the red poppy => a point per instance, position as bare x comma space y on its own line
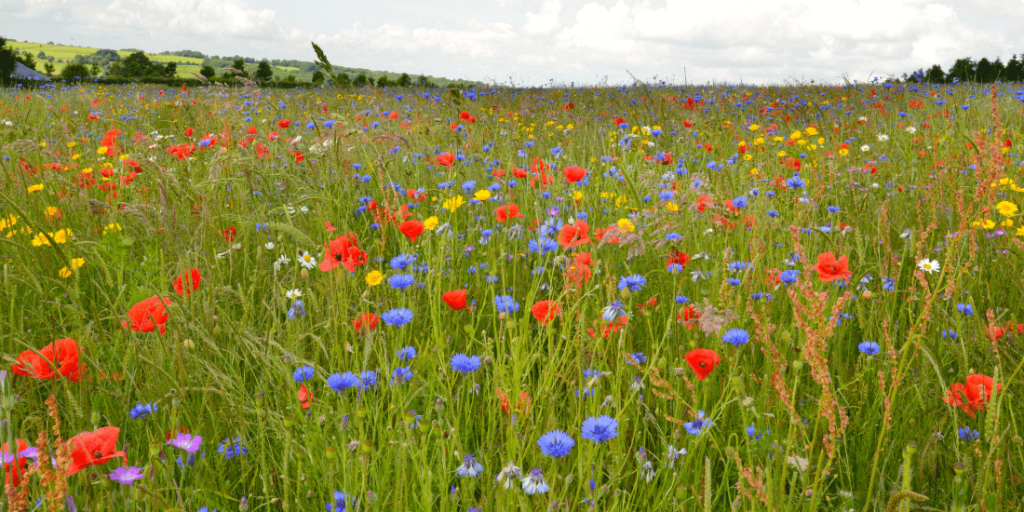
703, 202
188, 132
609, 328
677, 258
545, 311
465, 116
343, 251
519, 173
498, 173
506, 212
91, 448
574, 235
445, 159
574, 173
830, 269
148, 315
229, 235
187, 282
284, 123
329, 227
367, 320
456, 299
702, 360
305, 397
411, 229
665, 159
14, 474
61, 354
600, 233
973, 396
579, 272
688, 316
522, 406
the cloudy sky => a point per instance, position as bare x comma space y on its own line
530, 42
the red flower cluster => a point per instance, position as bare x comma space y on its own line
522, 405
574, 235
61, 355
545, 311
91, 448
148, 315
343, 251
974, 395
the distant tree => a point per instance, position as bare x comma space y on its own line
290, 80
963, 70
41, 55
27, 60
1014, 69
344, 80
404, 81
7, 62
74, 71
207, 71
49, 68
317, 78
984, 72
935, 75
171, 69
360, 80
95, 69
263, 71
239, 64
998, 70
136, 64
383, 82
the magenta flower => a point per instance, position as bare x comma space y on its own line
127, 475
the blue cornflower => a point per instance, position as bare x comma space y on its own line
469, 467
142, 410
401, 281
232, 448
673, 236
401, 374
402, 260
506, 304
302, 373
600, 429
789, 276
950, 334
795, 182
342, 381
694, 427
465, 364
542, 245
968, 434
639, 357
397, 317
832, 209
965, 309
888, 284
296, 310
736, 266
675, 267
556, 444
733, 281
868, 347
740, 201
406, 353
367, 379
613, 311
682, 299
736, 336
339, 503
634, 282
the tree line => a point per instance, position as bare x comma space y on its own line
967, 69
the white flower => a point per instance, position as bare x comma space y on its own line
865, 148
304, 209
282, 260
269, 245
927, 265
508, 475
883, 137
221, 255
534, 482
911, 129
862, 119
307, 260
294, 293
674, 455
289, 209
237, 246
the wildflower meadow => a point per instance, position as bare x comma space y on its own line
652, 297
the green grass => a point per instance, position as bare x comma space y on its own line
833, 428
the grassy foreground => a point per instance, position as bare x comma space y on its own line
644, 298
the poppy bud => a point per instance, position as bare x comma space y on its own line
288, 422
95, 417
367, 447
911, 447
798, 365
304, 274
730, 451
332, 453
361, 412
786, 336
958, 468
154, 449
188, 344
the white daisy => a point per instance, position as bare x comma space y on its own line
293, 294
269, 245
307, 260
911, 129
930, 266
882, 137
865, 148
282, 260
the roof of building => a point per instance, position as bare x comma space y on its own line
24, 72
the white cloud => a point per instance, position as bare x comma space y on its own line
546, 21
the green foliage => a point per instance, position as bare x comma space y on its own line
208, 71
74, 72
7, 61
263, 71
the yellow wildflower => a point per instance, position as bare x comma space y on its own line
35, 188
109, 228
1007, 209
374, 278
453, 203
811, 131
753, 127
626, 226
430, 223
482, 195
102, 150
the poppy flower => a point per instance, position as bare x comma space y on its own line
690, 314
677, 258
506, 212
703, 202
973, 396
329, 227
305, 397
229, 235
830, 269
541, 179
456, 299
522, 406
545, 311
343, 251
574, 173
568, 106
579, 272
14, 474
284, 123
498, 173
574, 235
702, 361
62, 354
148, 315
411, 229
519, 173
91, 448
445, 159
187, 282
603, 235
609, 328
367, 320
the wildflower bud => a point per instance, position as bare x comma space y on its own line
439, 406
371, 497
502, 316
676, 434
680, 494
958, 468
866, 295
275, 501
95, 417
367, 447
786, 336
343, 426
569, 479
188, 344
304, 274
332, 453
243, 505
911, 447
737, 382
624, 293
730, 451
288, 422
302, 477
309, 495
154, 449
798, 365
457, 454
361, 412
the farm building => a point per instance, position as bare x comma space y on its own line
24, 72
